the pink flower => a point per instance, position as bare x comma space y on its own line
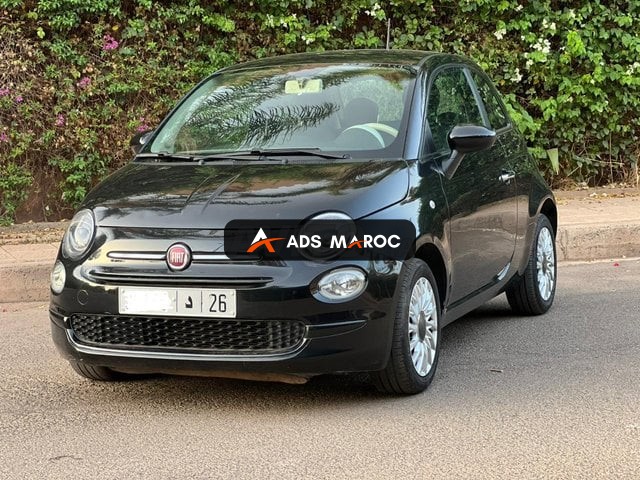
4, 137
60, 121
4, 92
109, 43
143, 127
19, 99
84, 82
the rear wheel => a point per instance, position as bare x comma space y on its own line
102, 374
415, 344
534, 291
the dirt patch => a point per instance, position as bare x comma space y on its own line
41, 205
600, 193
40, 232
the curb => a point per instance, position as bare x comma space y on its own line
598, 242
29, 282
25, 283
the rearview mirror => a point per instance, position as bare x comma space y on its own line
465, 139
139, 139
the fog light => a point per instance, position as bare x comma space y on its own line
339, 285
58, 277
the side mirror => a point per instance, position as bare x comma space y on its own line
139, 139
465, 139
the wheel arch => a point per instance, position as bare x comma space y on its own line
549, 209
431, 255
545, 205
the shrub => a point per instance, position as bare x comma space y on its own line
78, 78
14, 181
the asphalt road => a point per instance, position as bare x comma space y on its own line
556, 396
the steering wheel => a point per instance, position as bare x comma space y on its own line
381, 127
374, 130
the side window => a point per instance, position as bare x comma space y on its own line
497, 116
450, 103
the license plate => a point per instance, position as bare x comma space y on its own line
182, 302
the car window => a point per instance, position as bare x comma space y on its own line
451, 102
387, 95
343, 108
497, 116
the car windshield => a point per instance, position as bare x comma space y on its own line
357, 110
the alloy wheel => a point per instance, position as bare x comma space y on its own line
545, 263
423, 326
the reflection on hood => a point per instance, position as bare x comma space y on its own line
207, 196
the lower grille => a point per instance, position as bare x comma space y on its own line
222, 336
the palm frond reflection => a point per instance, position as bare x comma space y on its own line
301, 108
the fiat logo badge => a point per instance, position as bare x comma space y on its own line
178, 256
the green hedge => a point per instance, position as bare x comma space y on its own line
78, 77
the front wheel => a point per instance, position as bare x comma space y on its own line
534, 291
415, 346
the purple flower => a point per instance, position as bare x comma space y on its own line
19, 99
4, 92
60, 121
84, 82
143, 127
109, 43
4, 137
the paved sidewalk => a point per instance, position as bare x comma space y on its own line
598, 210
27, 253
594, 225
24, 271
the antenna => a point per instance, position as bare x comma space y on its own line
388, 31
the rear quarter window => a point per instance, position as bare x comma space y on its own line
495, 111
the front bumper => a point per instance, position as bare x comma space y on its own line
363, 347
350, 337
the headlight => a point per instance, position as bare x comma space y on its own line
79, 235
58, 277
325, 225
340, 285
331, 216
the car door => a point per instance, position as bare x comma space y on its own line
481, 195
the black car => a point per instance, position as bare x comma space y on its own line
146, 281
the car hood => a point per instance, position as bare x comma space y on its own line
210, 195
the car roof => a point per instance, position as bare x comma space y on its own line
411, 58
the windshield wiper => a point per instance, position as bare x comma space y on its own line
270, 154
248, 155
304, 152
168, 157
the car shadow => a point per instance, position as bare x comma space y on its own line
224, 393
479, 328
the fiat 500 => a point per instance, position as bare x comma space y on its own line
145, 281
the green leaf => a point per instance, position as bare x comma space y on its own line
552, 153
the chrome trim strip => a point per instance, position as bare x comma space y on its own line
197, 257
136, 256
209, 256
502, 273
114, 352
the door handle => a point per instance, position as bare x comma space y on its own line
507, 176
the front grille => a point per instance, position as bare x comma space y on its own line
120, 276
213, 336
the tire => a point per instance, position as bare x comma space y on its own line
101, 374
402, 375
533, 292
